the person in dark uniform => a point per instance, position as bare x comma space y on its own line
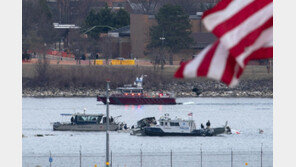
228, 130
202, 126
121, 126
112, 119
72, 120
208, 124
125, 126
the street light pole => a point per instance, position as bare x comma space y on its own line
162, 43
107, 124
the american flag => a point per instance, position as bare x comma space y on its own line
244, 29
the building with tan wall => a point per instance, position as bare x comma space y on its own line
139, 27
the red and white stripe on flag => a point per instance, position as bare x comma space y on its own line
245, 32
215, 62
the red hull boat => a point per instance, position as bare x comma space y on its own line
134, 95
137, 100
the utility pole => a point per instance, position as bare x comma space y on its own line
107, 124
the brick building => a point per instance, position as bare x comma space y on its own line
122, 36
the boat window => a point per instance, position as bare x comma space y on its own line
89, 118
161, 123
80, 118
174, 123
125, 91
99, 119
166, 124
136, 91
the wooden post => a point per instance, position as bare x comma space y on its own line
261, 153
80, 157
111, 159
50, 157
141, 157
171, 158
200, 157
231, 158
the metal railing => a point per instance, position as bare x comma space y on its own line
199, 158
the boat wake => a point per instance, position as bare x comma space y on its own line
188, 103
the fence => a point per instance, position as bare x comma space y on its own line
198, 158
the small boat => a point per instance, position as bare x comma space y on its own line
87, 122
177, 127
134, 95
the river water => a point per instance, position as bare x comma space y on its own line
246, 115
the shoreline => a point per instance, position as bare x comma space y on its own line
93, 93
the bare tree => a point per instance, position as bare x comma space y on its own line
192, 6
157, 57
144, 6
81, 44
42, 67
109, 46
82, 10
73, 12
37, 27
189, 6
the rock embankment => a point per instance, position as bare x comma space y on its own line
208, 88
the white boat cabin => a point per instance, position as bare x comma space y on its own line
130, 90
177, 125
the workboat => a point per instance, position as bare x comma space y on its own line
87, 122
134, 95
176, 127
